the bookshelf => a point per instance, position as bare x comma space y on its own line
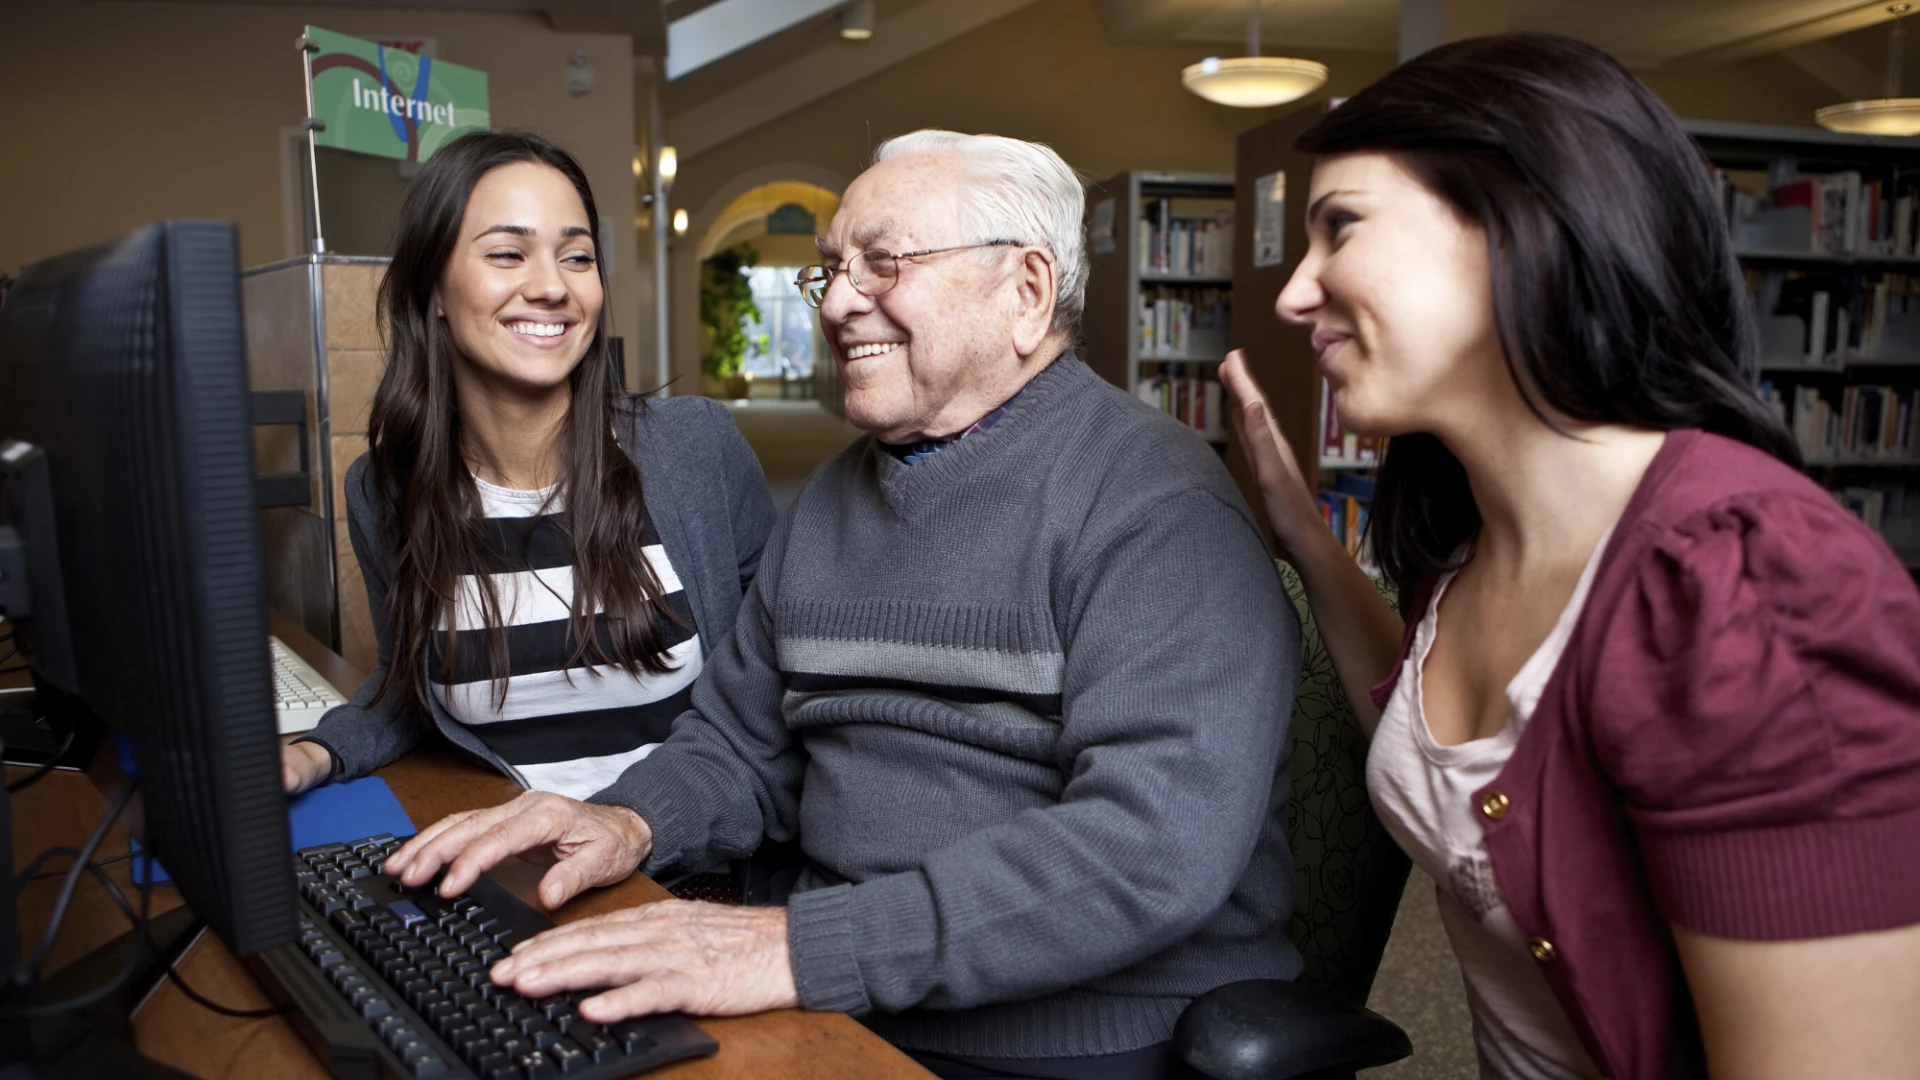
1827, 228
1160, 298
1280, 357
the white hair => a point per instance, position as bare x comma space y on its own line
1021, 191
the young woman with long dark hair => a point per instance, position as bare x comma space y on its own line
1653, 721
545, 556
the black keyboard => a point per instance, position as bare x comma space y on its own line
391, 981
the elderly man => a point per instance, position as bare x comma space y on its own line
1015, 672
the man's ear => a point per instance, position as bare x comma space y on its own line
1036, 289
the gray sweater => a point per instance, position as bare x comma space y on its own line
707, 497
1024, 705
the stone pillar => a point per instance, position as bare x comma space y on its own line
1427, 23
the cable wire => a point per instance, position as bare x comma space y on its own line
85, 856
111, 986
40, 772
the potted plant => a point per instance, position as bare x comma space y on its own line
726, 307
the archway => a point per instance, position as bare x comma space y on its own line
773, 226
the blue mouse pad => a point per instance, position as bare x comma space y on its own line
331, 813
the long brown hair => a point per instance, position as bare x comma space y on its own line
428, 506
1615, 288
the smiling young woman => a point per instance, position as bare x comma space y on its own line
1652, 723
546, 557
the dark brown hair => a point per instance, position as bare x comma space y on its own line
427, 504
1615, 289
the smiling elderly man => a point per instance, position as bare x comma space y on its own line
1016, 672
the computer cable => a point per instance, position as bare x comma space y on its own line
31, 972
173, 971
40, 772
111, 986
31, 873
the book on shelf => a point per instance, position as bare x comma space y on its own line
1198, 403
1184, 321
1866, 424
1337, 444
1347, 509
1851, 212
1829, 319
1890, 509
1186, 237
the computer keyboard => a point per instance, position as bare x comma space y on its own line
301, 695
391, 981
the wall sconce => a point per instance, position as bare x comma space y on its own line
680, 222
668, 168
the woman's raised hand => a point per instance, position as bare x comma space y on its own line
1291, 509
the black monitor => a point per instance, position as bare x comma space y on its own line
130, 556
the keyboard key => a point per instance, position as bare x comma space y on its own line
427, 1068
599, 1046
376, 1008
567, 1054
507, 1071
513, 1045
551, 1007
633, 1036
331, 958
538, 1066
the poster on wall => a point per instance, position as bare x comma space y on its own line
1270, 220
397, 104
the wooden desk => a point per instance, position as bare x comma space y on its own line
430, 784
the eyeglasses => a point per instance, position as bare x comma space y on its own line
872, 273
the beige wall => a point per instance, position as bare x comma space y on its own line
118, 114
1048, 72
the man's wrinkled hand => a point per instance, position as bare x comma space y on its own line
585, 844
671, 956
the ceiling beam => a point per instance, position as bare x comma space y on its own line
1788, 37
727, 116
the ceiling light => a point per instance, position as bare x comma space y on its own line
669, 165
856, 20
1889, 114
680, 222
1253, 81
639, 164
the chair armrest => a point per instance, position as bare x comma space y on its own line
1265, 1029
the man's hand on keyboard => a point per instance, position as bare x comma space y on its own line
671, 956
586, 845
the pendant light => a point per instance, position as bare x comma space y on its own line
1889, 114
1254, 81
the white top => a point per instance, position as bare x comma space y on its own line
1423, 792
568, 730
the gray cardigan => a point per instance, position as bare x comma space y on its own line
707, 497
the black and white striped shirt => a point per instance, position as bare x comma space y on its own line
571, 731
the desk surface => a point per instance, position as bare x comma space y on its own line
430, 784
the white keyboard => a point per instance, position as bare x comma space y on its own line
301, 696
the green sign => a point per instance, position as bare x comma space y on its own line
376, 100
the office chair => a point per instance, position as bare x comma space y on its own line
1348, 878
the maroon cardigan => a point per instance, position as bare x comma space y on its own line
1731, 743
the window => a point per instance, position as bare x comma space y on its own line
784, 340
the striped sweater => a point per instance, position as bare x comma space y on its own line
1023, 703
568, 730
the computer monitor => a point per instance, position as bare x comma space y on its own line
128, 517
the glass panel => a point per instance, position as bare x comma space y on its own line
784, 340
